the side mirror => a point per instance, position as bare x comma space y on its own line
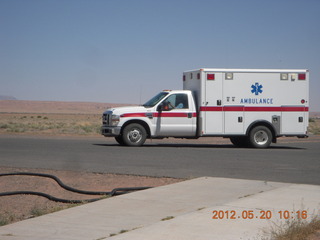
164, 106
160, 107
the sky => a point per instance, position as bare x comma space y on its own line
126, 51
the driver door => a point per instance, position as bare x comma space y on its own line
175, 117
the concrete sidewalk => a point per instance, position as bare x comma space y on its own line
179, 211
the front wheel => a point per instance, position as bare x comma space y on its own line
134, 135
260, 137
119, 140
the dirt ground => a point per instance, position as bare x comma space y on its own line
20, 207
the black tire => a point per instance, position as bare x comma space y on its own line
134, 135
119, 140
260, 137
240, 141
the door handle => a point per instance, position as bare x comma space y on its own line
189, 115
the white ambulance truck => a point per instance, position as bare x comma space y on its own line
252, 107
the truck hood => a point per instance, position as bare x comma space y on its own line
130, 109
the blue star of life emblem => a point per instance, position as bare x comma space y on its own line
256, 88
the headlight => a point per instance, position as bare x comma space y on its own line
115, 119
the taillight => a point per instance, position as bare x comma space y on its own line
210, 76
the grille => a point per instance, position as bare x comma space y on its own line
106, 118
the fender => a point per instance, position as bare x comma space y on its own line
142, 120
266, 124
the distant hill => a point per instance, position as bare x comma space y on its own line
314, 114
4, 97
22, 106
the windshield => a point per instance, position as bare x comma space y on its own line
153, 101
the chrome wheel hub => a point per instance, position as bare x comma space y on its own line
134, 135
261, 137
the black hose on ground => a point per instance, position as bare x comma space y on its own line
114, 192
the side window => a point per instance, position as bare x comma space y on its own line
177, 101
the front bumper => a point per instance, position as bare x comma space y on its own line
110, 131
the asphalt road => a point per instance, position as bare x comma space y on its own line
295, 161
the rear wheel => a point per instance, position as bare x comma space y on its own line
260, 137
134, 135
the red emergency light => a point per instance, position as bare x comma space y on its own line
302, 76
210, 76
